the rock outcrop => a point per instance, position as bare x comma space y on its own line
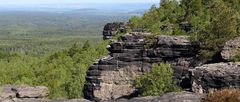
169, 97
113, 77
111, 29
12, 93
231, 49
71, 100
209, 77
24, 93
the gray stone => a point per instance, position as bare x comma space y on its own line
231, 49
173, 40
111, 29
29, 100
113, 76
169, 97
23, 93
209, 77
71, 100
7, 92
31, 92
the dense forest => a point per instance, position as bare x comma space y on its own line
212, 22
40, 33
63, 72
52, 49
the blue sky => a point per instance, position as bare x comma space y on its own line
26, 2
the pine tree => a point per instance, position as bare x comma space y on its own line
192, 8
86, 45
222, 27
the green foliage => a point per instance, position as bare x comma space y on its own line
62, 72
40, 33
168, 13
212, 22
117, 35
235, 56
150, 39
157, 82
222, 27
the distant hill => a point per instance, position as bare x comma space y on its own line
140, 12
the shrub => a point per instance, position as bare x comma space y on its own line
157, 82
225, 95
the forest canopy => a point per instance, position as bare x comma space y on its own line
212, 22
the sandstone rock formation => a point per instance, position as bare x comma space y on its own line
209, 77
24, 93
169, 97
12, 93
112, 77
111, 29
231, 49
71, 100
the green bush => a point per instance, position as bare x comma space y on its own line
157, 82
212, 22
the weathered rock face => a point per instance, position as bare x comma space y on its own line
111, 29
231, 49
72, 100
11, 93
113, 76
169, 97
209, 77
23, 93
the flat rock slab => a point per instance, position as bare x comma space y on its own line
7, 92
169, 97
29, 100
23, 93
31, 92
209, 77
171, 40
73, 100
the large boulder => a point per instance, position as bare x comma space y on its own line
28, 100
111, 29
113, 76
31, 92
23, 93
71, 100
231, 49
169, 97
209, 77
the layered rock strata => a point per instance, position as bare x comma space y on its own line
24, 93
231, 50
12, 93
113, 77
169, 97
112, 29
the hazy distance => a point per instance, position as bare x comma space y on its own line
68, 5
